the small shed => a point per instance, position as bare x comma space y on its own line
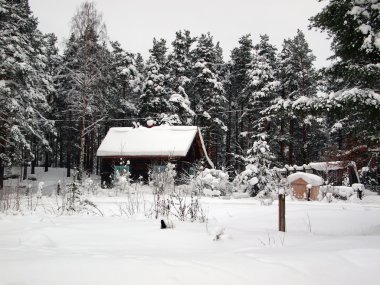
301, 183
333, 171
138, 149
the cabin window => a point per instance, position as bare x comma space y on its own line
157, 168
192, 170
122, 169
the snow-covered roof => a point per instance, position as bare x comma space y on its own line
319, 166
326, 166
156, 141
312, 179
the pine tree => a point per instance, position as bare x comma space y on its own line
24, 85
262, 85
291, 111
208, 98
67, 88
353, 80
140, 64
154, 102
223, 72
126, 82
241, 57
53, 62
258, 175
180, 77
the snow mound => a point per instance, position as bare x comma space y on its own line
312, 179
358, 186
239, 195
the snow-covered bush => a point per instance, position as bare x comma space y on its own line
211, 193
162, 176
185, 204
39, 189
122, 182
169, 200
162, 179
10, 197
368, 176
257, 176
265, 197
343, 192
90, 186
337, 192
136, 202
212, 182
358, 187
74, 200
328, 198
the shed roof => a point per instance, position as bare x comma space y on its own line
164, 140
318, 166
326, 166
312, 179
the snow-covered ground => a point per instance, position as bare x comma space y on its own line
337, 243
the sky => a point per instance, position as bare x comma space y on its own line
134, 23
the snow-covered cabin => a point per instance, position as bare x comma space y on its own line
305, 185
137, 149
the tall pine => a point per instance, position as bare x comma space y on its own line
154, 101
208, 98
179, 64
351, 98
24, 85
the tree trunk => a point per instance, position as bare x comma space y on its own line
209, 142
92, 148
229, 130
340, 139
97, 158
46, 161
56, 150
37, 156
241, 138
1, 178
216, 151
304, 142
25, 172
60, 148
282, 142
291, 143
86, 154
237, 150
2, 189
33, 164
281, 213
68, 149
81, 148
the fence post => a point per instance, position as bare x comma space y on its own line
281, 212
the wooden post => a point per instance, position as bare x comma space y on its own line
308, 189
47, 159
25, 173
281, 212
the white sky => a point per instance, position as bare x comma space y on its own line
134, 23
